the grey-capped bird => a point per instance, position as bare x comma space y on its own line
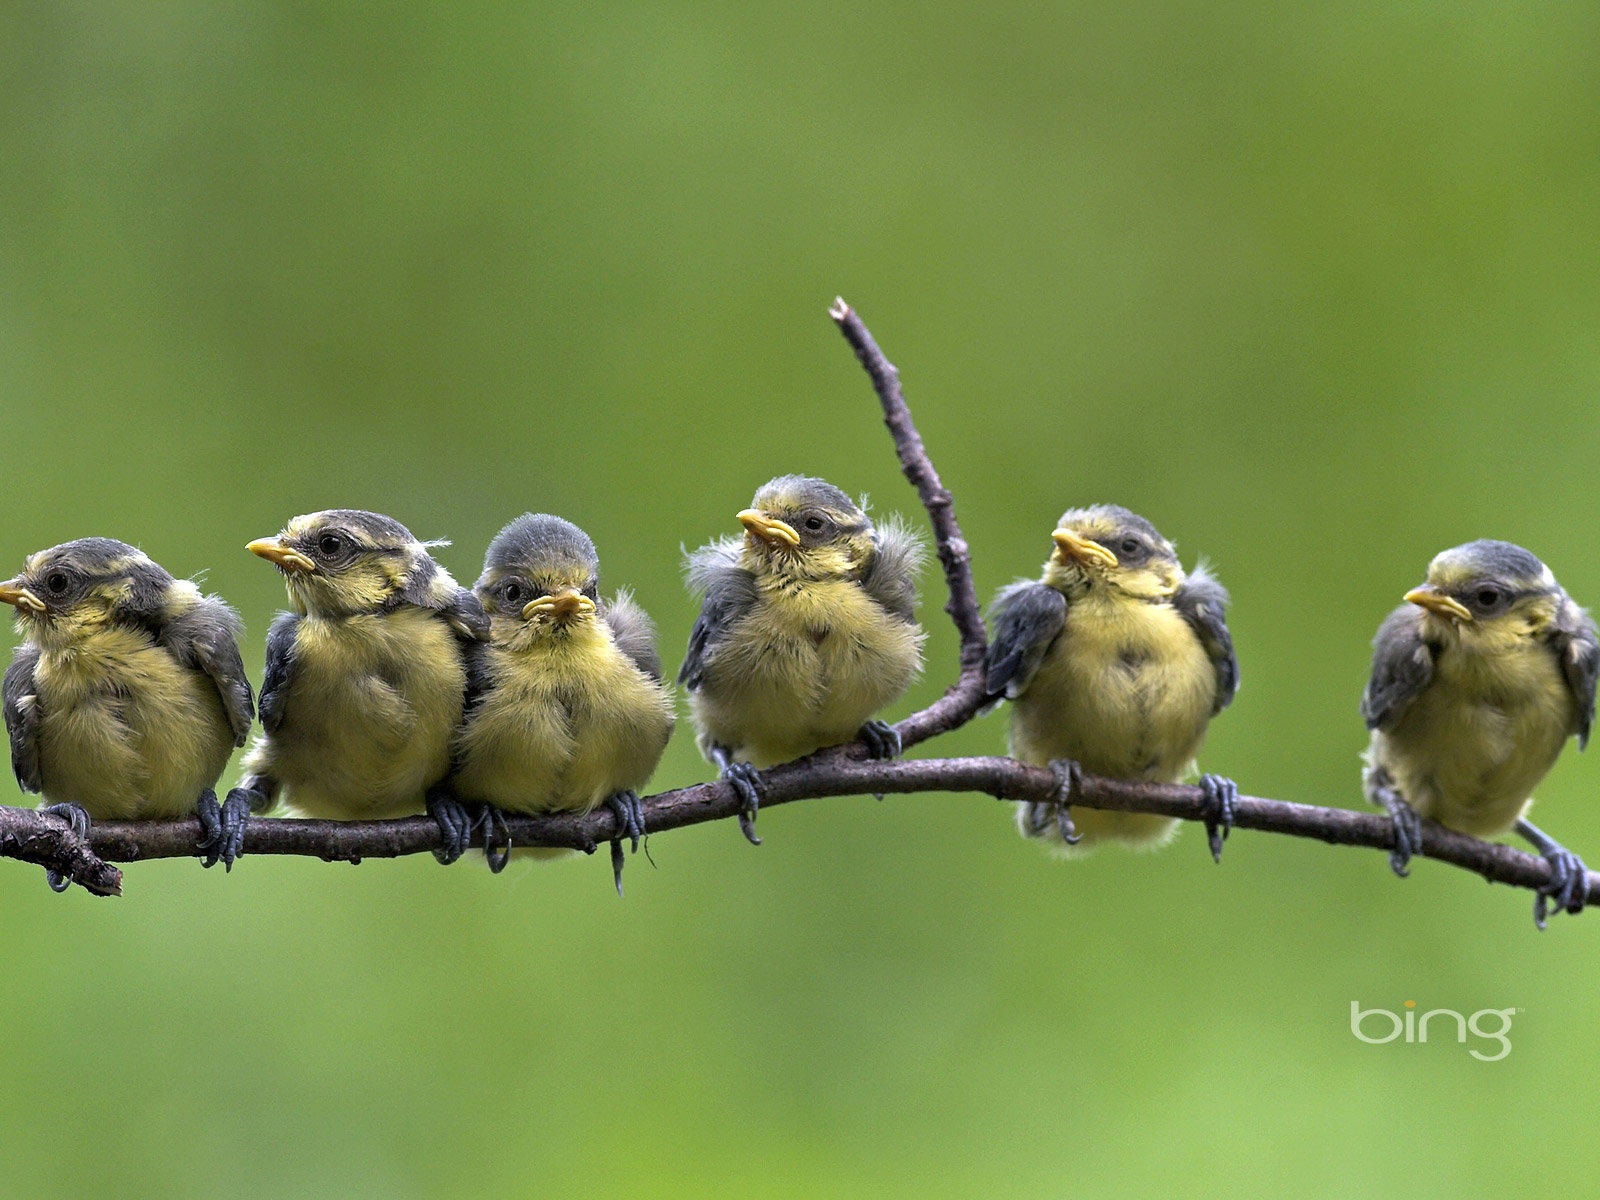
365, 679
806, 631
1114, 663
1477, 682
128, 693
566, 707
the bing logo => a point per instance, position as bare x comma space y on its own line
1379, 1027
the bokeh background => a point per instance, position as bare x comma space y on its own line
1313, 287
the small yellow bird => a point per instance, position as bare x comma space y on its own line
365, 679
567, 709
128, 693
806, 630
1477, 682
1114, 663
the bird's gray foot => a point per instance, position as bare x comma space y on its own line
222, 826
625, 808
882, 739
75, 816
1069, 781
236, 810
1407, 829
1221, 792
1569, 878
209, 812
746, 781
496, 839
454, 821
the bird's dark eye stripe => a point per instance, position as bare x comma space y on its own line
1478, 594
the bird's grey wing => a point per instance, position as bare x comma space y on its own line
1578, 644
1025, 618
891, 575
1402, 666
465, 613
1203, 602
22, 717
635, 634
206, 636
729, 592
430, 586
479, 682
280, 669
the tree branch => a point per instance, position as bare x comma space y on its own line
961, 702
838, 771
36, 837
46, 840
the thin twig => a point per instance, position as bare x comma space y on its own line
961, 702
36, 837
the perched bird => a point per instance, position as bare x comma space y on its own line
365, 679
1115, 663
127, 695
805, 632
1477, 682
566, 708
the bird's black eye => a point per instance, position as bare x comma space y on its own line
1128, 546
1488, 597
330, 544
814, 523
56, 582
513, 592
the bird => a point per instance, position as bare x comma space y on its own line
1114, 664
1477, 682
806, 630
566, 707
365, 679
127, 695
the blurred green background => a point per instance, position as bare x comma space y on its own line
1313, 287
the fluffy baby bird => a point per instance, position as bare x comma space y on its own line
567, 707
127, 695
1477, 682
365, 679
805, 632
1114, 663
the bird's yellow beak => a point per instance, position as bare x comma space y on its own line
275, 551
769, 529
12, 592
562, 606
1072, 548
1431, 598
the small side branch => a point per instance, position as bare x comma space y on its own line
36, 837
961, 702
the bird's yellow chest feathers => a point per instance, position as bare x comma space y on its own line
1470, 749
566, 723
1126, 689
126, 731
371, 706
804, 668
